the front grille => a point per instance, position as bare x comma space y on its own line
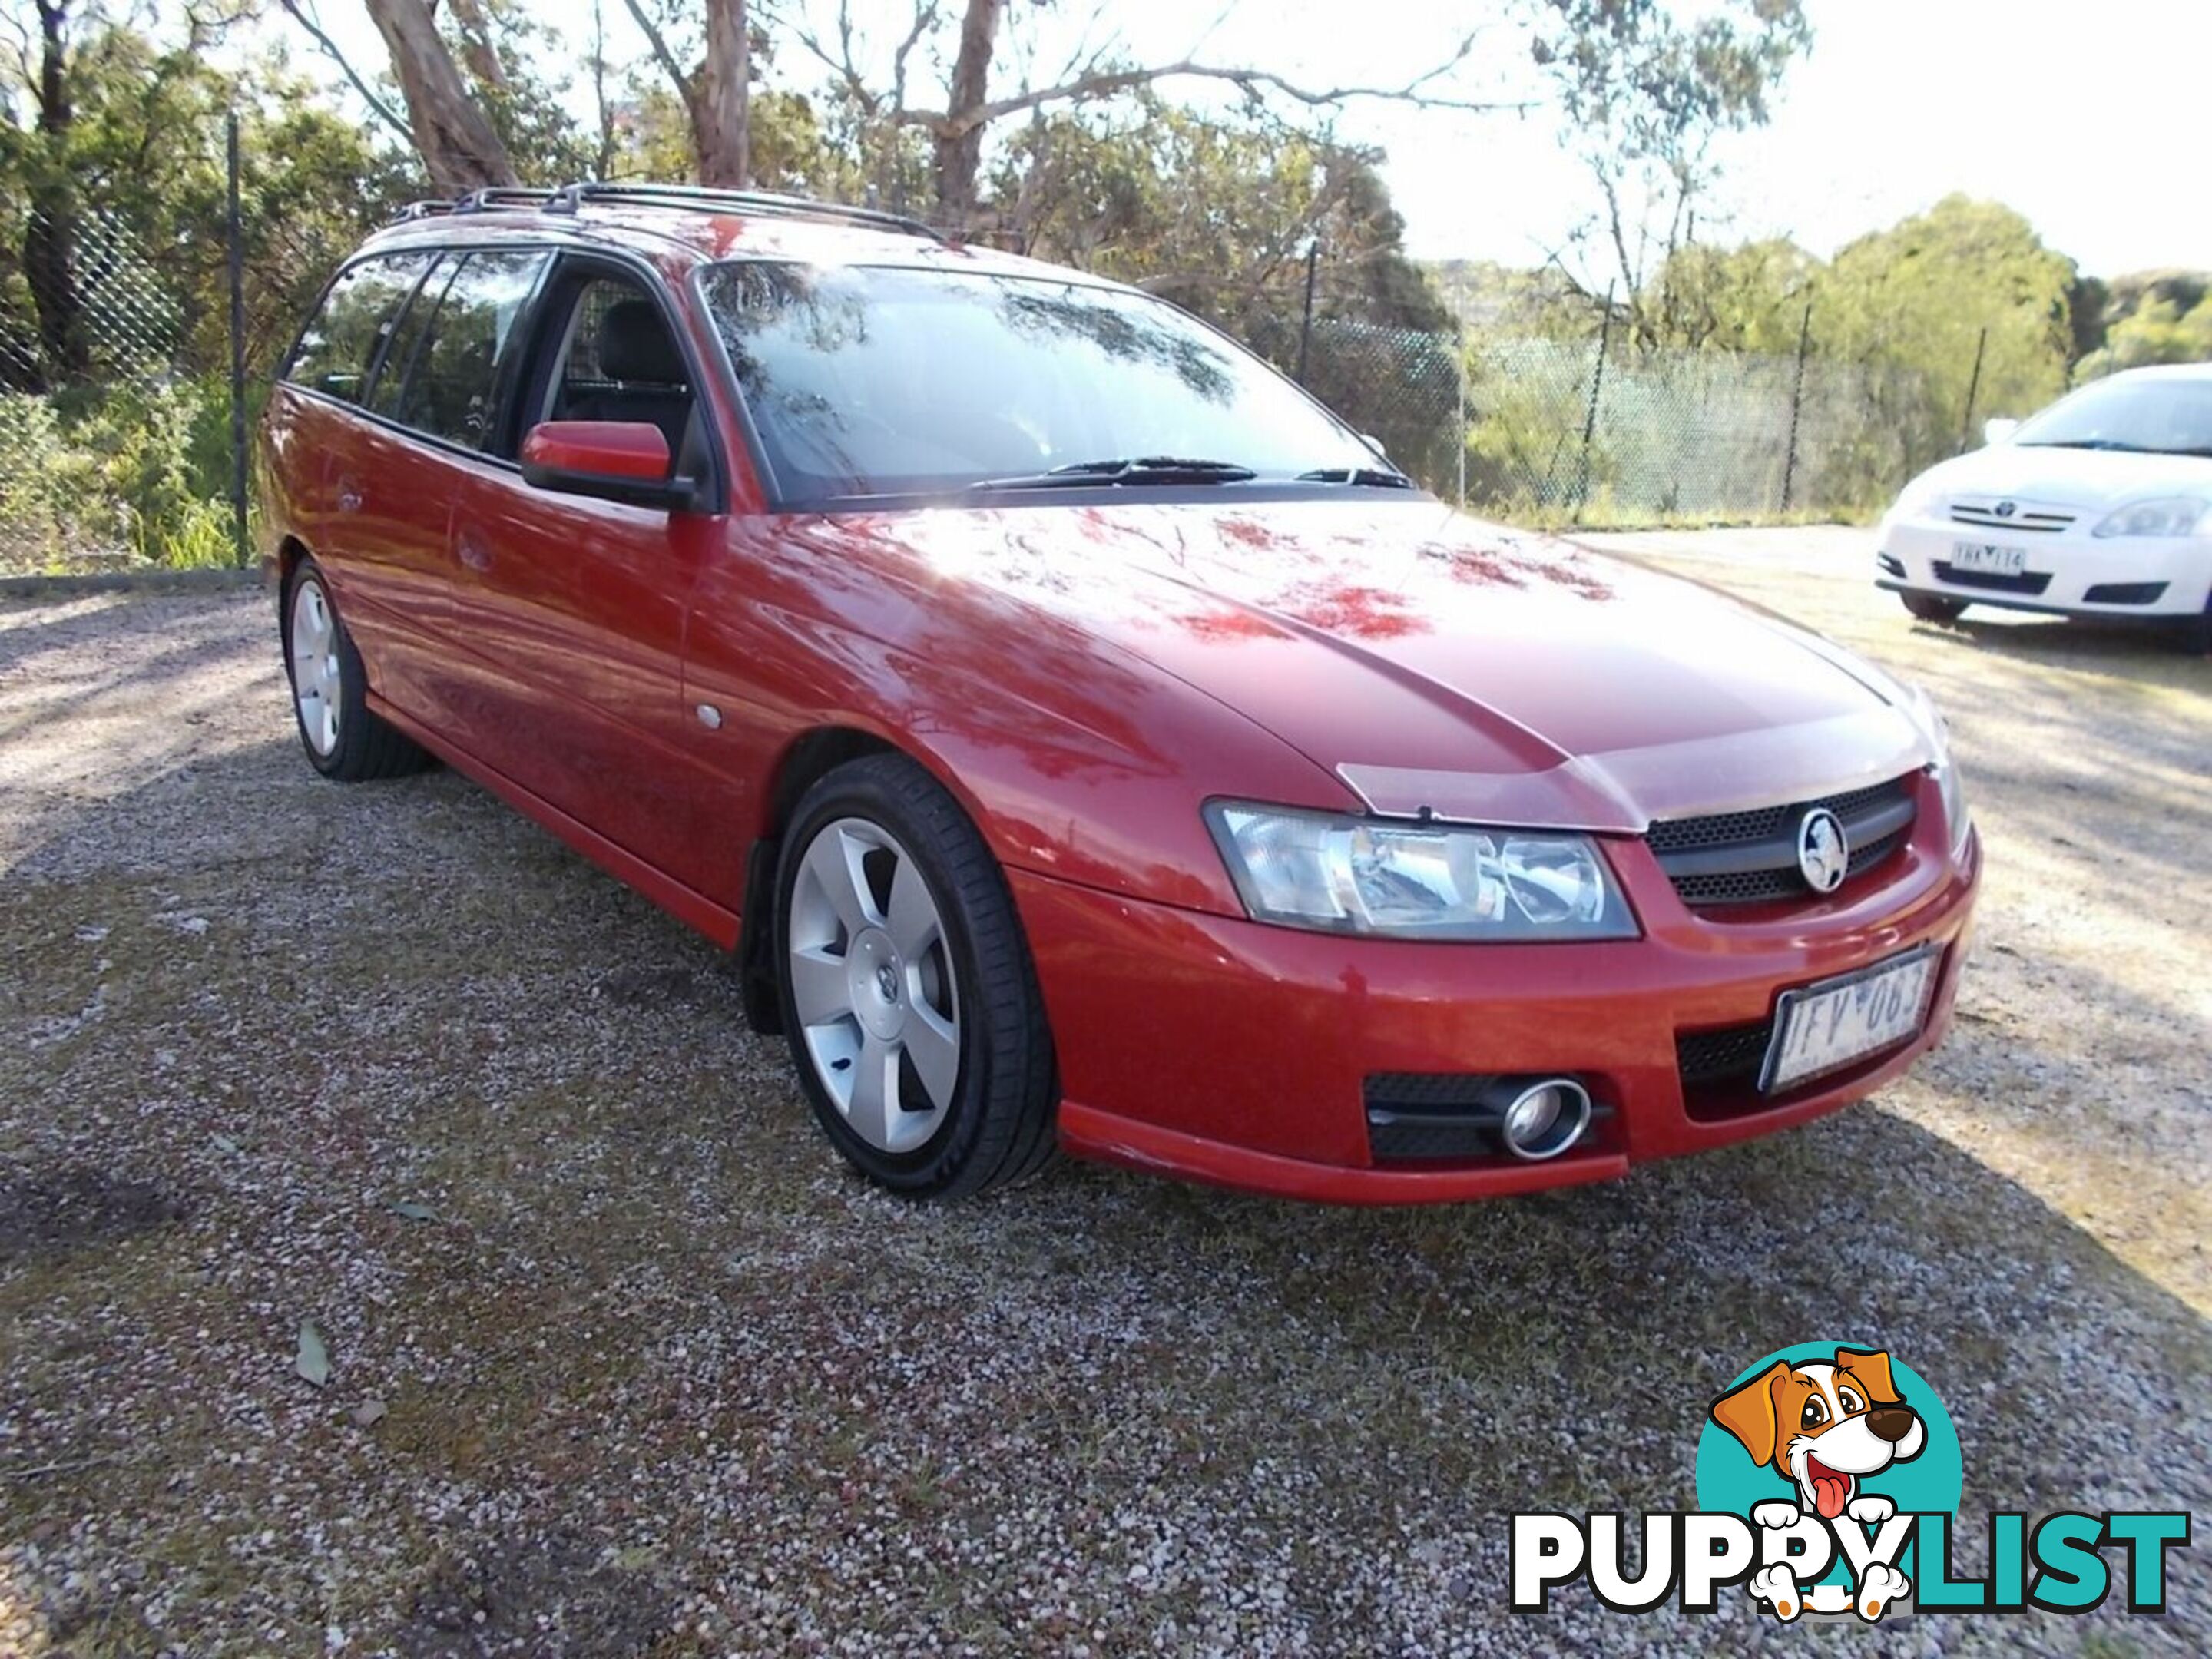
1431, 1116
2032, 581
2042, 520
1750, 857
2124, 593
1705, 1058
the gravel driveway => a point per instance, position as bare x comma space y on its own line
621, 1361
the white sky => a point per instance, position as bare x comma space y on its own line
2090, 118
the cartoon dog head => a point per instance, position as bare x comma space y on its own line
1824, 1426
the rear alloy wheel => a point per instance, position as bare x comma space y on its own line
330, 689
1931, 609
911, 1005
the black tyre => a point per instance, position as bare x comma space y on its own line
1929, 608
908, 996
330, 689
2195, 635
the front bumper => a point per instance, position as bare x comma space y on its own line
2069, 572
1236, 1053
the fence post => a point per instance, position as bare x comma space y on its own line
1305, 323
1974, 390
1459, 363
1597, 385
1797, 403
235, 235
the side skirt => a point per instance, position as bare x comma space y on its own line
686, 905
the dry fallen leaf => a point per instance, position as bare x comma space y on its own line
314, 1361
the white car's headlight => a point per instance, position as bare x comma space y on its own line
2169, 515
1353, 875
1923, 494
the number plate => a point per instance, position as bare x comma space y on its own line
1822, 1027
1987, 556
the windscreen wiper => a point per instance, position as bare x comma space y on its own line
1126, 469
1372, 477
2091, 443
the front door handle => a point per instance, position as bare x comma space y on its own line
349, 497
473, 553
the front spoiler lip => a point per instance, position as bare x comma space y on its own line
1156, 1149
2126, 616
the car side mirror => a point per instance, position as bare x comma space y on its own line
622, 461
1998, 428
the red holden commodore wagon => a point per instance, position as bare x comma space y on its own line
1083, 737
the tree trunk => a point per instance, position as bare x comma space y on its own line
719, 104
960, 140
476, 49
49, 229
452, 134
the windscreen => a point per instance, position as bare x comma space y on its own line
882, 380
2156, 414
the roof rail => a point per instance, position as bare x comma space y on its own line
572, 198
765, 202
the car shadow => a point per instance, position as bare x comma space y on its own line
2154, 653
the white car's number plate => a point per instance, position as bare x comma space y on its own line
1988, 558
1822, 1027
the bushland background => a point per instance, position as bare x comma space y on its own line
1650, 370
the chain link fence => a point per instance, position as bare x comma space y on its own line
116, 427
1590, 430
117, 443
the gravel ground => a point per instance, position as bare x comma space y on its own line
621, 1361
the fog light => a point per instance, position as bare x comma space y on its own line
1546, 1118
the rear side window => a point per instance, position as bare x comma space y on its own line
403, 338
343, 340
453, 387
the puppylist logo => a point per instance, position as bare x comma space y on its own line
1828, 1480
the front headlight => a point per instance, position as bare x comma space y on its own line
1956, 816
1923, 494
1945, 770
1430, 881
2170, 515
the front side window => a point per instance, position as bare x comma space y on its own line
453, 388
2157, 415
881, 380
619, 361
344, 339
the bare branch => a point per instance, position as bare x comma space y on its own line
378, 107
657, 42
1086, 88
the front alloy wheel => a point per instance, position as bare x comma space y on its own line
877, 1004
909, 997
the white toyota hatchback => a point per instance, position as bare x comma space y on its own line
2101, 505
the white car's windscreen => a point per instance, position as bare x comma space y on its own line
2155, 415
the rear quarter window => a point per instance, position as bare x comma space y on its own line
340, 347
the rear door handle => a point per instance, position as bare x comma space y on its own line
349, 497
